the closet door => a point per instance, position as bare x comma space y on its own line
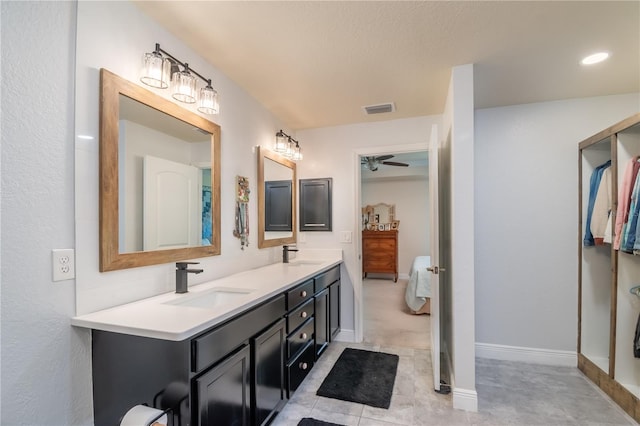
596, 264
627, 366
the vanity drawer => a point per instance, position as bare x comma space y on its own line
325, 279
299, 294
299, 338
299, 315
299, 367
214, 345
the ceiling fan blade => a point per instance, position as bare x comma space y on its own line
384, 157
394, 163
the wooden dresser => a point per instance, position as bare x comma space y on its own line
380, 253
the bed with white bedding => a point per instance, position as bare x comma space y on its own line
418, 291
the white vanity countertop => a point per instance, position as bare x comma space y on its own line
156, 317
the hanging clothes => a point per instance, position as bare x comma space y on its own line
594, 184
624, 199
629, 231
601, 208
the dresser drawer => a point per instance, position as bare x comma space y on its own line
299, 294
386, 264
299, 367
300, 337
380, 244
299, 315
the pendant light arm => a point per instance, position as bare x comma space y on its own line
183, 64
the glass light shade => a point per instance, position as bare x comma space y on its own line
183, 87
155, 71
208, 101
281, 143
297, 153
289, 149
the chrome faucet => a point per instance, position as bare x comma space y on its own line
285, 253
181, 275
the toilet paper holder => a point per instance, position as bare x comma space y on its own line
170, 399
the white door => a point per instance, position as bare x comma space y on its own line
171, 203
435, 255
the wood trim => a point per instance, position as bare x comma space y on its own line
618, 393
111, 87
580, 244
614, 258
611, 130
268, 154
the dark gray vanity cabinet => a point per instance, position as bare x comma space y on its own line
300, 337
240, 372
267, 372
322, 321
327, 300
222, 393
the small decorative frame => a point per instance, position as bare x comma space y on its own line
395, 224
387, 227
381, 227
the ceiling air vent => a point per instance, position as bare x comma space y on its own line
379, 109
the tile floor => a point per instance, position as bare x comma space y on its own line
509, 393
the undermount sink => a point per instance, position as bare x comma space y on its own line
211, 298
296, 262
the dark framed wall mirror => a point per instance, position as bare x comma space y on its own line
315, 204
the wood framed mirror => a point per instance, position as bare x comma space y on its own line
276, 174
159, 179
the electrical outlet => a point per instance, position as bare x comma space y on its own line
63, 264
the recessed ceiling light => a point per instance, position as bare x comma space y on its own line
595, 58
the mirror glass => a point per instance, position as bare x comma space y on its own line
276, 199
159, 179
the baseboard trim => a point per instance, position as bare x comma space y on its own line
346, 336
465, 399
403, 276
530, 355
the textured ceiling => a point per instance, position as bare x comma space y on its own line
317, 63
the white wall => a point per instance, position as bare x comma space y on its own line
412, 204
459, 129
526, 236
45, 363
114, 35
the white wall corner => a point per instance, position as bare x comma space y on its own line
465, 399
529, 355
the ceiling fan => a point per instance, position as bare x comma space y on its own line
372, 163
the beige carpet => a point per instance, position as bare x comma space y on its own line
387, 319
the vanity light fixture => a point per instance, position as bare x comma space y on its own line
287, 146
159, 67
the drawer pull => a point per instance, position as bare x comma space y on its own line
303, 314
303, 293
303, 335
303, 366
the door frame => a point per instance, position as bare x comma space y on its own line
358, 310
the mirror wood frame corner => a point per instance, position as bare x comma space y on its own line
111, 87
263, 242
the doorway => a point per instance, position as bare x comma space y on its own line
382, 316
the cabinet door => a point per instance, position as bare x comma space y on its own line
223, 392
315, 204
269, 394
322, 321
334, 309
